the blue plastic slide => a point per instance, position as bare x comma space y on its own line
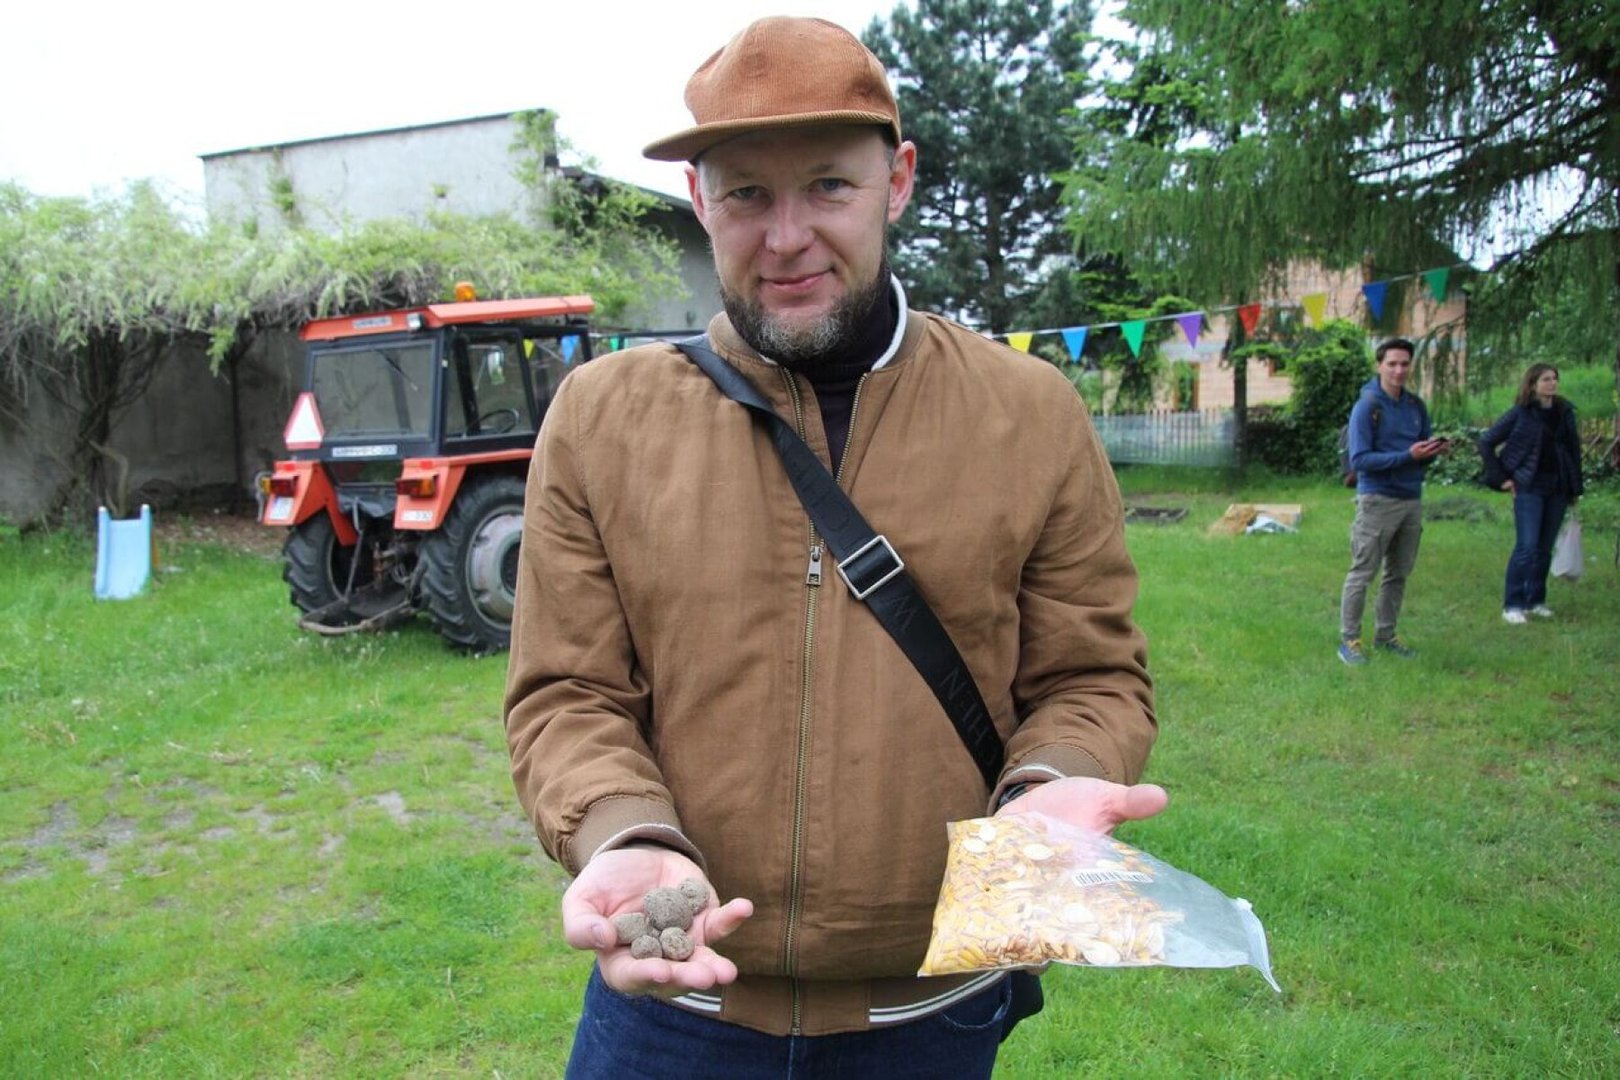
125, 555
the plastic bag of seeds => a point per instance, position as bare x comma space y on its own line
1024, 890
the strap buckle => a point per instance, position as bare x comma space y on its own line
872, 564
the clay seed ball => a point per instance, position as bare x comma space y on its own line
631, 925
666, 908
676, 943
696, 893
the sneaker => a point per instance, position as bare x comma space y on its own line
1396, 647
1514, 615
1350, 652
1542, 611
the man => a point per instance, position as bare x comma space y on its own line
1391, 445
694, 692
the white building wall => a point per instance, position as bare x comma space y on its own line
464, 167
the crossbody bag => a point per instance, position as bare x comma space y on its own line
871, 568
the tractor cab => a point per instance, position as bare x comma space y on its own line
408, 447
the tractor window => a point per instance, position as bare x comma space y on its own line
485, 395
552, 359
375, 392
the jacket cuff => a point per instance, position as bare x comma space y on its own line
620, 821
1030, 771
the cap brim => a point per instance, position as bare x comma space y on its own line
688, 145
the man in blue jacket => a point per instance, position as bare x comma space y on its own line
1391, 444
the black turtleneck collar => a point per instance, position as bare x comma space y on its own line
834, 379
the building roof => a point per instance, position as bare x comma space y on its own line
367, 134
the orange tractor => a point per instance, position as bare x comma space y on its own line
408, 447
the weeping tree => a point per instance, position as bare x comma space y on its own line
1331, 131
94, 293
985, 88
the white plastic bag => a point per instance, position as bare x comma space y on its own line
1022, 890
1568, 560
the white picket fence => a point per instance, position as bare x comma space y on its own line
1207, 437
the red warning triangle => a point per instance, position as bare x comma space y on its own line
304, 430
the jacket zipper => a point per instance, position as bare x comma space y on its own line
812, 582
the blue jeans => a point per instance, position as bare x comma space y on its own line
621, 1037
1536, 518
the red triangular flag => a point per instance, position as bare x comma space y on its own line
1249, 315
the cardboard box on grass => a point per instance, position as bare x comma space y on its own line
1240, 516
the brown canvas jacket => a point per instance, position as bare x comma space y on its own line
674, 677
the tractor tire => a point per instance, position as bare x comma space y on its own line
315, 565
469, 566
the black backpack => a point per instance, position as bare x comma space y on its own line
1346, 473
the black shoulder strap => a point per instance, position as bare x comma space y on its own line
871, 568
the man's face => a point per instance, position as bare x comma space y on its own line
797, 219
1393, 370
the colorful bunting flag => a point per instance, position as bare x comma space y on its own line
1133, 332
1315, 308
1191, 325
1249, 314
1075, 339
1436, 280
568, 344
1374, 292
528, 347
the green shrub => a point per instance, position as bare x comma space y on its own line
1328, 372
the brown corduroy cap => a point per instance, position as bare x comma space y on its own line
782, 72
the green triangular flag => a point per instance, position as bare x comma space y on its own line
1436, 280
1133, 331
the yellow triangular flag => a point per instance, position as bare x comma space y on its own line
528, 348
1021, 341
1315, 308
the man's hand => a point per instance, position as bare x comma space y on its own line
1089, 803
1428, 449
615, 882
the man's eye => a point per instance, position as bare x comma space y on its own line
829, 184
745, 194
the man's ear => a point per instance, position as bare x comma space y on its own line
902, 175
694, 187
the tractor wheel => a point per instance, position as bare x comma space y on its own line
316, 565
469, 566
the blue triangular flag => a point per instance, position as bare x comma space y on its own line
1374, 292
1075, 339
568, 344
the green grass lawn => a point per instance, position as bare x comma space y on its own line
231, 849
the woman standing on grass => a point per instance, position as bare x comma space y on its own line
1534, 451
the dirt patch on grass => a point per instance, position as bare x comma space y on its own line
238, 532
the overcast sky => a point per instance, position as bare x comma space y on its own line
99, 93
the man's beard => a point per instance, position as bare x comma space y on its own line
808, 346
